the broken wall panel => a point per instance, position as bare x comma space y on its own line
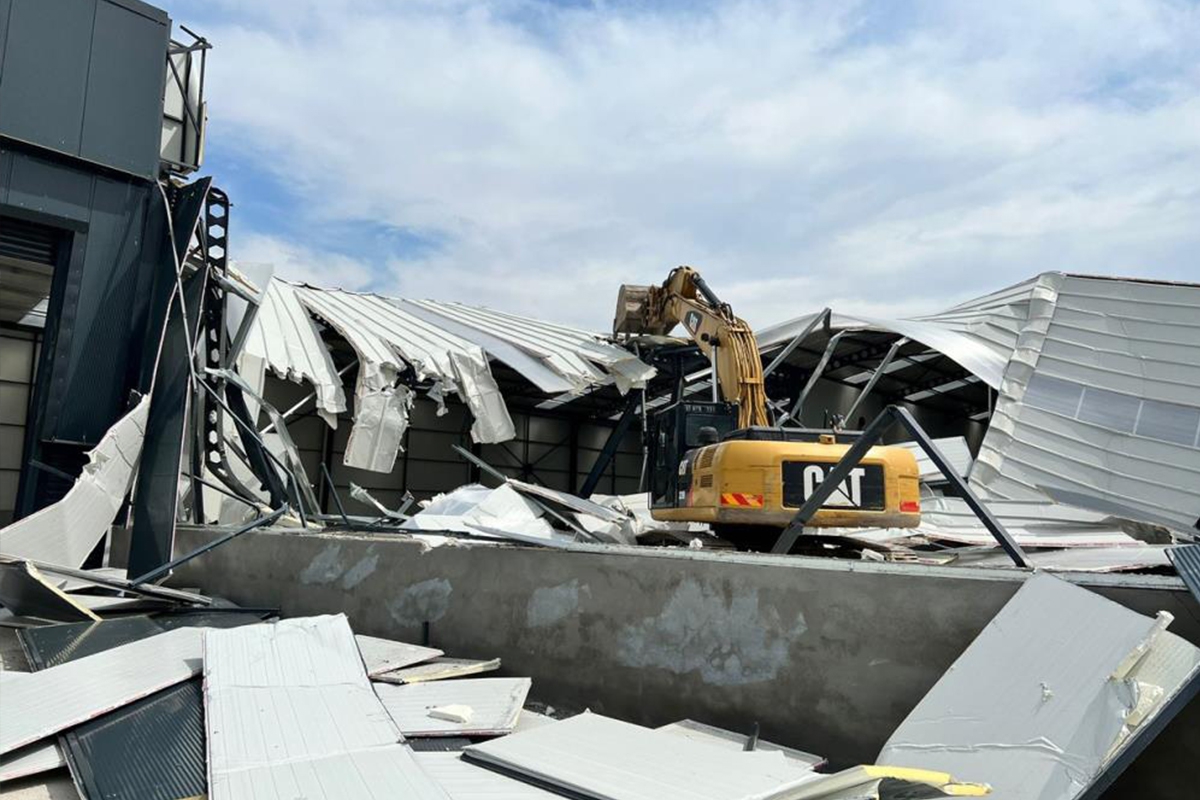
1040, 704
597, 757
65, 532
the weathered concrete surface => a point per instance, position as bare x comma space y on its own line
828, 656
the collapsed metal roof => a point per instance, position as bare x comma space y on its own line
441, 347
1096, 382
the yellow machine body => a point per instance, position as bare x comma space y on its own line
764, 483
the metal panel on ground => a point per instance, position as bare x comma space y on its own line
438, 669
493, 705
1040, 704
24, 592
107, 755
1187, 563
289, 712
463, 780
597, 757
58, 698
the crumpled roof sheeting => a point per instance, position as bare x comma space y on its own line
65, 532
447, 343
1100, 403
286, 338
577, 355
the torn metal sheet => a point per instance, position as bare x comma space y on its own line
384, 655
31, 759
55, 699
598, 757
698, 731
494, 705
602, 522
285, 337
462, 780
1040, 704
380, 419
67, 531
366, 498
438, 669
1032, 524
25, 592
388, 341
289, 713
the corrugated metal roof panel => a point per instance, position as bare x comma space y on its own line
605, 758
463, 780
285, 336
290, 713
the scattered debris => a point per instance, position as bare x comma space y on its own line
24, 591
382, 656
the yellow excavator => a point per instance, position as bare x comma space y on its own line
721, 462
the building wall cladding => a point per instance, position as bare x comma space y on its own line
84, 78
428, 465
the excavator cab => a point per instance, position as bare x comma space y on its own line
675, 432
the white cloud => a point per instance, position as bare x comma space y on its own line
292, 260
799, 154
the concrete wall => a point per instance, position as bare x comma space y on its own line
826, 655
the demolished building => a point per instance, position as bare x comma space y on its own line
473, 481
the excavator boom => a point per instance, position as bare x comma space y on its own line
684, 298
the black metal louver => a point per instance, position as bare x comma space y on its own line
28, 241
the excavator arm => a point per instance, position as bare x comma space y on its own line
684, 298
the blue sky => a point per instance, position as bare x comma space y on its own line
884, 158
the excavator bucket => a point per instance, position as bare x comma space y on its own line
634, 314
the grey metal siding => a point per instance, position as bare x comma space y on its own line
122, 118
5, 9
45, 72
85, 79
